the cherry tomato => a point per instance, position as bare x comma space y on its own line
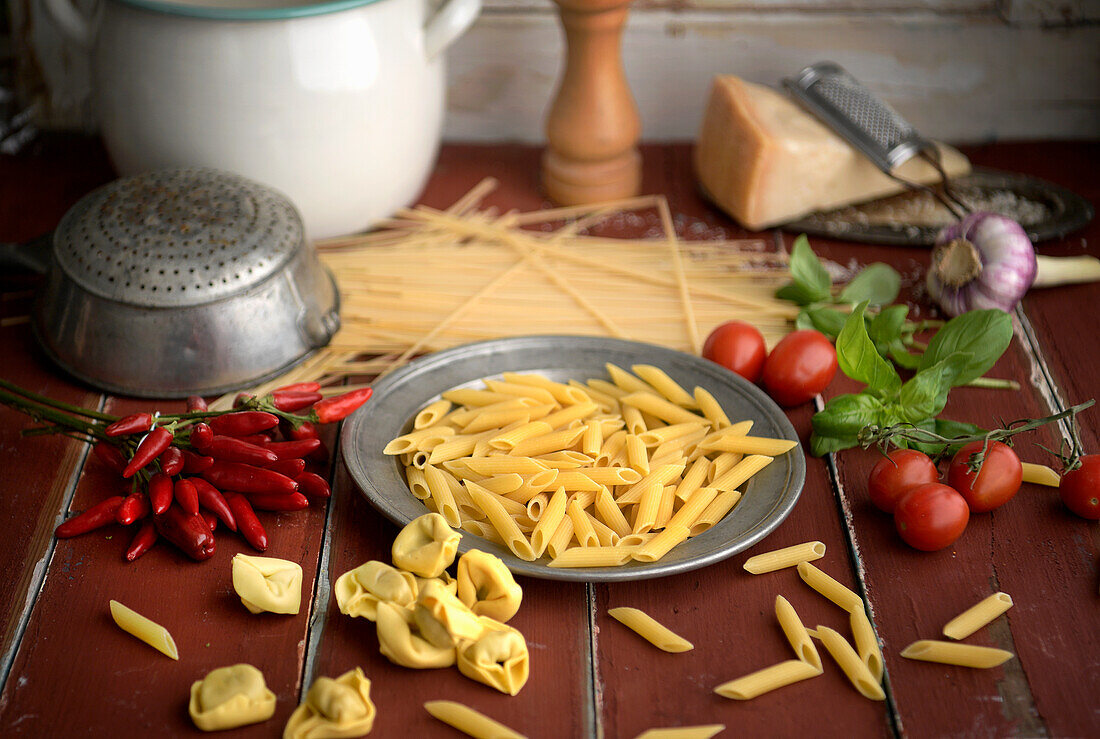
997, 481
737, 346
799, 367
1080, 488
896, 474
931, 516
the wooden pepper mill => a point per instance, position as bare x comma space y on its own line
593, 124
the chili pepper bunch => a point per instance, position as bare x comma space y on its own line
191, 472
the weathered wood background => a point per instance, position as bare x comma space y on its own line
959, 70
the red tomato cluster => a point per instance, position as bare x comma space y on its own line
798, 367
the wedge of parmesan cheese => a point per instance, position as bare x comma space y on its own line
765, 161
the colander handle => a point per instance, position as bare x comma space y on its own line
447, 24
70, 21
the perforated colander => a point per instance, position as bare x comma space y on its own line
183, 281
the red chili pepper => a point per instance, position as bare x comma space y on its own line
335, 409
194, 464
247, 523
155, 442
160, 493
293, 449
201, 434
143, 541
313, 485
243, 423
188, 531
99, 515
305, 430
135, 506
211, 520
244, 478
110, 455
232, 449
136, 423
254, 439
196, 404
212, 500
299, 387
290, 401
289, 467
186, 495
171, 461
268, 502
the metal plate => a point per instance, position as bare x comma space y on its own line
1045, 210
768, 497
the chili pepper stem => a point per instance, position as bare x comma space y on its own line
45, 400
49, 413
993, 383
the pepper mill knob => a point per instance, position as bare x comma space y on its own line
593, 124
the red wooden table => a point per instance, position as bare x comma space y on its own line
67, 671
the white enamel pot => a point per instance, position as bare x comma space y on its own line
338, 104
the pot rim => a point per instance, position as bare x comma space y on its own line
275, 10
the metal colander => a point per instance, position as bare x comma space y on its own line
183, 281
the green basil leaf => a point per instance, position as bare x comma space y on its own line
885, 328
903, 358
828, 321
925, 394
845, 415
983, 334
808, 272
797, 294
876, 283
822, 445
858, 358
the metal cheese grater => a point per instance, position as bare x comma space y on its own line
871, 126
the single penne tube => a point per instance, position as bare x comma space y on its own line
751, 445
418, 484
611, 445
741, 472
412, 441
441, 492
669, 389
467, 509
722, 464
145, 629
977, 616
779, 559
534, 484
715, 511
607, 403
584, 498
611, 514
606, 535
611, 475
626, 381
541, 394
660, 408
504, 524
561, 392
592, 439
693, 479
766, 680
566, 459
582, 526
661, 475
506, 441
526, 525
484, 529
561, 537
591, 557
741, 428
475, 398
577, 480
795, 632
634, 541
570, 413
645, 515
1040, 474
457, 447
845, 656
470, 722
504, 465
829, 587
548, 522
503, 484
710, 408
488, 420
693, 507
431, 414
607, 388
673, 457
633, 421
703, 731
418, 459
636, 455
542, 410
650, 629
866, 643
610, 424
660, 545
680, 445
537, 505
953, 653
665, 507
555, 441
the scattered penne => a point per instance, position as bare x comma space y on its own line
470, 722
866, 643
650, 629
766, 680
829, 587
683, 732
779, 559
1040, 474
845, 655
977, 616
795, 632
148, 631
953, 653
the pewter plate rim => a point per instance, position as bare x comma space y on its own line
768, 500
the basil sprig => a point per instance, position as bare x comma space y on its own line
964, 349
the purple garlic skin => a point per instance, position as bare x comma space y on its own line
1008, 265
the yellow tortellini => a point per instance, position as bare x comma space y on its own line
401, 643
359, 591
333, 709
268, 584
487, 587
229, 697
498, 658
442, 618
426, 546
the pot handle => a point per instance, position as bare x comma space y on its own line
70, 21
445, 26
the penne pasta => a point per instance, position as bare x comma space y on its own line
779, 559
741, 472
592, 439
795, 632
666, 506
751, 445
541, 394
854, 668
537, 505
582, 526
561, 392
415, 440
504, 524
611, 514
660, 408
146, 630
715, 511
1040, 474
548, 522
432, 414
441, 493
650, 629
591, 557
953, 653
829, 587
711, 409
470, 722
866, 643
561, 537
626, 381
507, 441
668, 388
766, 680
660, 545
683, 732
977, 616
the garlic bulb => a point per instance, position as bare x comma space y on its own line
983, 261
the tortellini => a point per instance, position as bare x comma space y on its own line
442, 618
487, 587
229, 697
401, 643
333, 709
426, 546
359, 591
498, 658
268, 584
